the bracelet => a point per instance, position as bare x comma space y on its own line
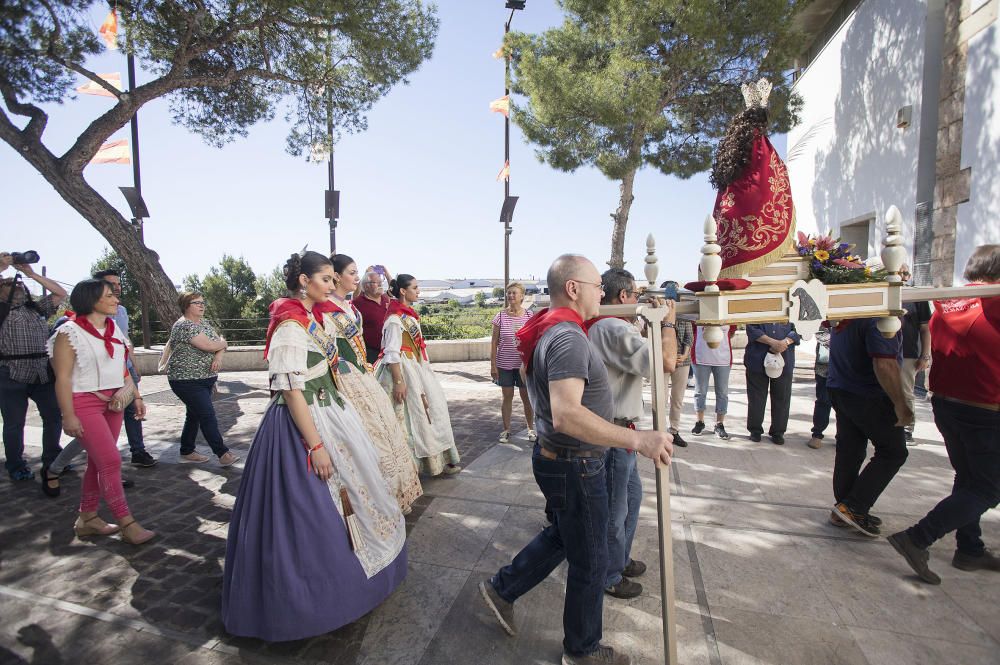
309, 455
398, 382
137, 398
664, 324
925, 357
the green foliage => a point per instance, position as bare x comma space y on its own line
269, 288
498, 292
624, 84
228, 65
480, 299
230, 291
447, 322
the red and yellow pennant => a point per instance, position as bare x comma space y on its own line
109, 30
115, 152
501, 105
504, 172
92, 88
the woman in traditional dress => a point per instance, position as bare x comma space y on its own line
406, 374
316, 538
356, 381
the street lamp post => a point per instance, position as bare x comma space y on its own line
332, 195
137, 218
507, 211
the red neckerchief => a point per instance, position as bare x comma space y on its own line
109, 330
528, 336
292, 309
399, 309
588, 324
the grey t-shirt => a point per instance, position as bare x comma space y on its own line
564, 352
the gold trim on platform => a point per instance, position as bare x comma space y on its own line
747, 305
844, 300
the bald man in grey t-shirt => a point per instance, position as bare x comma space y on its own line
568, 386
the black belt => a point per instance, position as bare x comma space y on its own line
23, 356
558, 452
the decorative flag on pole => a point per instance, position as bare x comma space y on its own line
109, 30
501, 105
115, 152
498, 53
504, 172
91, 88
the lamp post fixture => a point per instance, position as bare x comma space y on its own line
507, 210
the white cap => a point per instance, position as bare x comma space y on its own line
774, 364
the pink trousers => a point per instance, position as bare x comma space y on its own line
103, 479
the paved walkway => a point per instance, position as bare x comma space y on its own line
761, 577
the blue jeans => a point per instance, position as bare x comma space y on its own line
701, 376
972, 437
821, 408
14, 397
576, 491
624, 499
197, 397
133, 427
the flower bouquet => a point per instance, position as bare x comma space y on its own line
831, 261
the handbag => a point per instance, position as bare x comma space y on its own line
161, 366
121, 399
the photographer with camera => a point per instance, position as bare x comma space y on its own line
24, 364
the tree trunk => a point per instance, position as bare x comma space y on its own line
142, 262
620, 218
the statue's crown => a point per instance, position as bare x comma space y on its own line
756, 94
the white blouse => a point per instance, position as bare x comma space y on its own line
94, 369
392, 339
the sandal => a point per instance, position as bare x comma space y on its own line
84, 528
145, 537
47, 488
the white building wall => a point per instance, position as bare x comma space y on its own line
847, 160
979, 218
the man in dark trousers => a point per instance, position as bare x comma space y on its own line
764, 338
965, 378
867, 395
569, 389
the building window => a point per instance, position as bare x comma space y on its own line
857, 233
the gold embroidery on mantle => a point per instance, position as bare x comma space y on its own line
751, 233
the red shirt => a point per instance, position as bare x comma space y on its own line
965, 336
373, 315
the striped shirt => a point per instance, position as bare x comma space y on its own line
507, 355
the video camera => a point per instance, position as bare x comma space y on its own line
20, 258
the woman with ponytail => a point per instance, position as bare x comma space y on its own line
405, 373
356, 381
316, 538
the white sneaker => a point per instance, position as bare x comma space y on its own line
504, 437
532, 436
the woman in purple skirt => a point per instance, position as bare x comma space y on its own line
317, 539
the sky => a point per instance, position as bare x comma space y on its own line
418, 188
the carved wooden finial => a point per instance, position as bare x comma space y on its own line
652, 268
893, 254
711, 262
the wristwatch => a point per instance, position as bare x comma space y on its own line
665, 324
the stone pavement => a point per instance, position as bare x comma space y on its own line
761, 577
